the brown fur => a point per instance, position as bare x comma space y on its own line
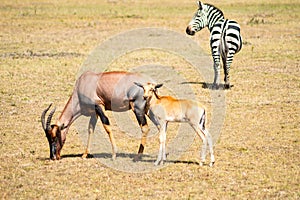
164, 109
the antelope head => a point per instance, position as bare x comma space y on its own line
53, 134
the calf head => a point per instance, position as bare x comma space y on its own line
149, 89
53, 134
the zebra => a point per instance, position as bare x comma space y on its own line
225, 38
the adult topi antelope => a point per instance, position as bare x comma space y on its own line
164, 109
92, 95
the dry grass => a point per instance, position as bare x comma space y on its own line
43, 46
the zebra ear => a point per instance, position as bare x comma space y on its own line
199, 4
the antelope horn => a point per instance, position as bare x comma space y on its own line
49, 119
43, 116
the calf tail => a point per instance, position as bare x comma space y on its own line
203, 120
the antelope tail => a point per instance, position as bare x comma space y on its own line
202, 120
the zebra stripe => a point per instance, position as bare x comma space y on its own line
225, 38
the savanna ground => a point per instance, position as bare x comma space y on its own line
43, 45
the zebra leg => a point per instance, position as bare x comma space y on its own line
226, 71
217, 72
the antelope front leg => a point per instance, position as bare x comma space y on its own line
162, 146
140, 116
145, 131
203, 152
159, 159
211, 150
91, 129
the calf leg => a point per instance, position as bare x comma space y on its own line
106, 125
91, 129
162, 145
206, 138
210, 145
201, 135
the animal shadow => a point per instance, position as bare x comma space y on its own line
108, 156
208, 85
125, 155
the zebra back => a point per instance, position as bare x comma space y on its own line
227, 32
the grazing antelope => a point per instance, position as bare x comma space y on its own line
164, 109
92, 95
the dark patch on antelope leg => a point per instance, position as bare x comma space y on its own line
141, 149
138, 157
141, 119
100, 113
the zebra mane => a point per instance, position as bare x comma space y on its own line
214, 15
210, 5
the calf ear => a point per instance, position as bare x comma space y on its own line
158, 85
138, 84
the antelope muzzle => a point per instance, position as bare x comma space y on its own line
52, 133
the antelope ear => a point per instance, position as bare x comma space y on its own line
158, 85
139, 84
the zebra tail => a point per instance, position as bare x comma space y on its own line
224, 49
223, 45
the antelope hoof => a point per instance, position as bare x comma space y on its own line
211, 164
159, 162
85, 155
156, 163
114, 157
